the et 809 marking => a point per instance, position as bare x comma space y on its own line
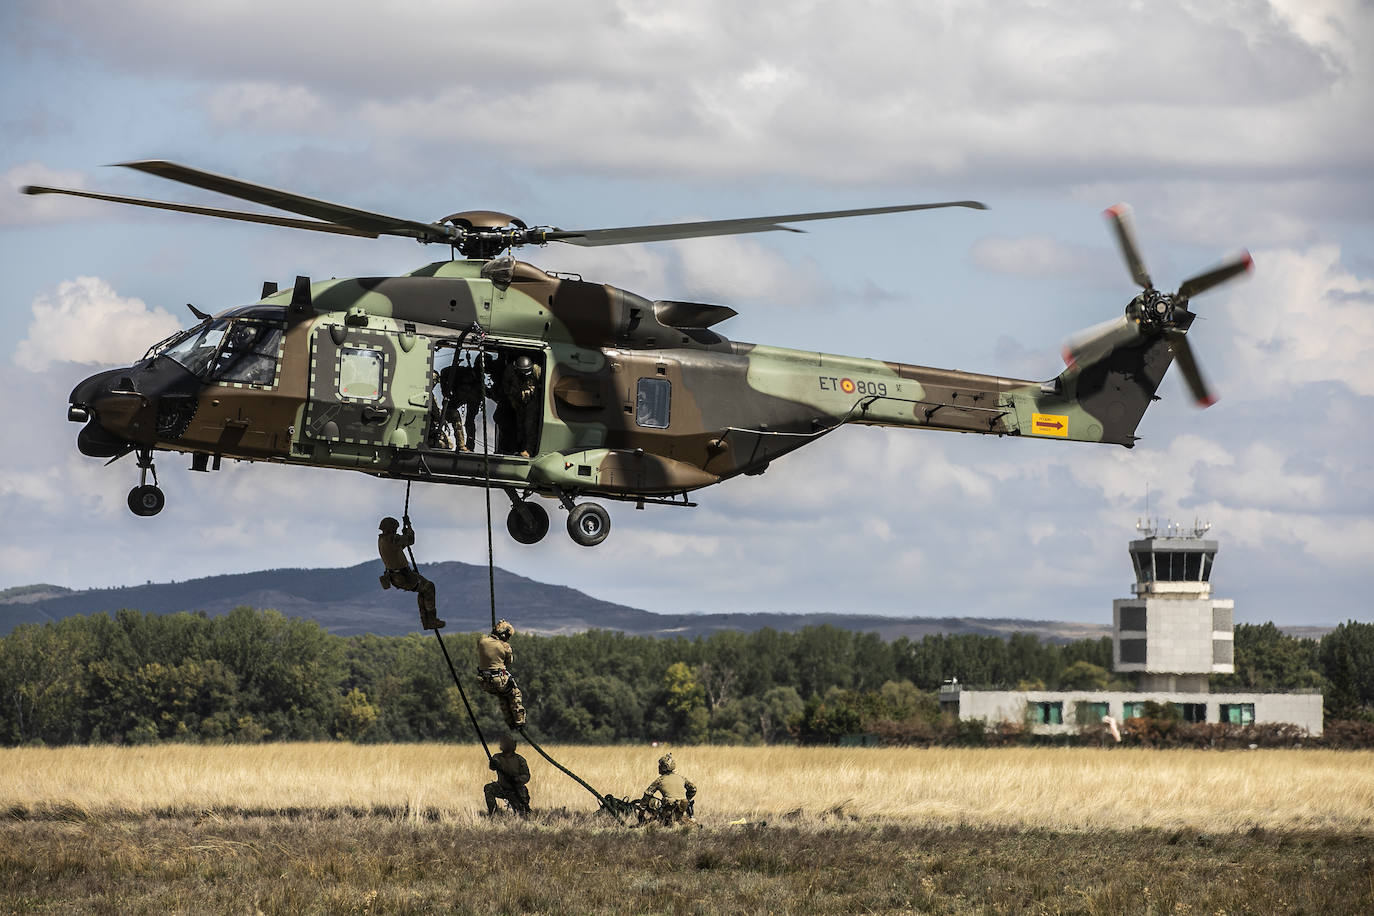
852, 386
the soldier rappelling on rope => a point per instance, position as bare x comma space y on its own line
401, 573
494, 657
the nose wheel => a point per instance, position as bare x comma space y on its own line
146, 499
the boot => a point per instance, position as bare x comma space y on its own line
430, 622
385, 579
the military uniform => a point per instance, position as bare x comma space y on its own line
391, 547
512, 779
462, 388
521, 391
494, 655
669, 797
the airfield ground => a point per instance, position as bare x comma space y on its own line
338, 828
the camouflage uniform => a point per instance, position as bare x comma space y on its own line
669, 797
512, 779
493, 676
462, 388
391, 546
521, 391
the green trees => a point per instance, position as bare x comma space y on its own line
256, 675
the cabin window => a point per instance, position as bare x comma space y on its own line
196, 348
249, 354
360, 373
652, 402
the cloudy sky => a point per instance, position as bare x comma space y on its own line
1226, 125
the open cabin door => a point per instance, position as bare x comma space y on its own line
368, 387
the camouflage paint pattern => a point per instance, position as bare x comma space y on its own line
355, 374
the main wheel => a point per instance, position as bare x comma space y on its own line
588, 524
528, 523
146, 500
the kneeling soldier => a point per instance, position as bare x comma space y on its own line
669, 797
391, 546
512, 779
494, 677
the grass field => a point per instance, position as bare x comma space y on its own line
1042, 788
345, 828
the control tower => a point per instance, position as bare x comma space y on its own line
1173, 633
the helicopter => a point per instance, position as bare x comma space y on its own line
632, 399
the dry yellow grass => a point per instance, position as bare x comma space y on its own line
1054, 789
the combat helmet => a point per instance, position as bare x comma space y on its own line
503, 630
524, 365
666, 764
389, 525
508, 744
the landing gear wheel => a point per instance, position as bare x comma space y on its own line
146, 500
528, 523
588, 524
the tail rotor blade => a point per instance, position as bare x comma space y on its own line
1219, 274
1120, 215
1183, 355
1100, 339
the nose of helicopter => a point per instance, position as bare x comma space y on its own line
106, 403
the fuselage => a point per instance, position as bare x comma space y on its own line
636, 398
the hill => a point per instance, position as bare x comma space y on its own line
349, 602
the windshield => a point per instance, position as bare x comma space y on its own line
196, 348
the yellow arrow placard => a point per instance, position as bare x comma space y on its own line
1049, 424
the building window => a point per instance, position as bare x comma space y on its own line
1223, 652
652, 402
1133, 618
1133, 651
1091, 712
1046, 712
1206, 567
1133, 710
1192, 570
1192, 712
1238, 713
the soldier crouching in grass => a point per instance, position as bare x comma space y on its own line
669, 798
512, 780
493, 676
391, 547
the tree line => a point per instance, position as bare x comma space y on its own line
250, 675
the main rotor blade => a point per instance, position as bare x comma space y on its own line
365, 220
1219, 274
1120, 215
1099, 340
1183, 355
661, 233
208, 211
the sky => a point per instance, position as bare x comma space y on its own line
1247, 123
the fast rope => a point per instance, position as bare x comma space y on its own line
604, 801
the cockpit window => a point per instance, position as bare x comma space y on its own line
195, 349
248, 355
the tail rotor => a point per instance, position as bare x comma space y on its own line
1152, 313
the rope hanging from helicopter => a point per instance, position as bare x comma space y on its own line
602, 800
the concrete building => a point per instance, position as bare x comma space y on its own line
1169, 638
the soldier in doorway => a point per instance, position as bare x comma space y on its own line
493, 673
391, 546
669, 798
520, 387
512, 779
462, 389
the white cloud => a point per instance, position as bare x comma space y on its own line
85, 321
1304, 317
262, 105
1033, 256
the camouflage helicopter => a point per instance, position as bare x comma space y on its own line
634, 399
